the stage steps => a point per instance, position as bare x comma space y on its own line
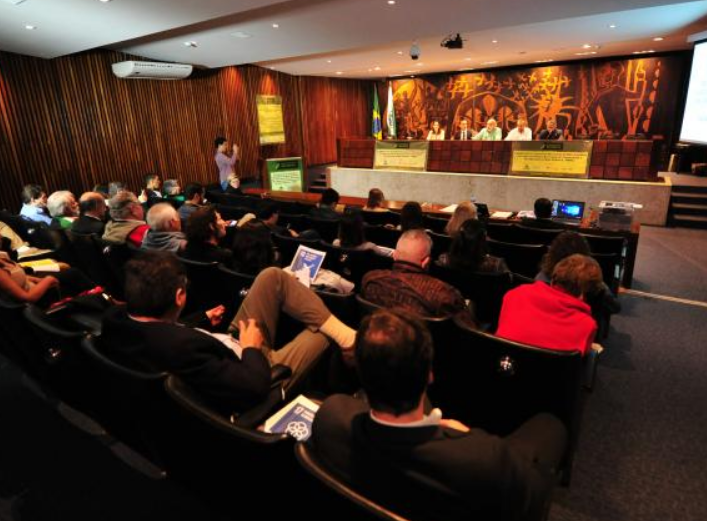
688, 206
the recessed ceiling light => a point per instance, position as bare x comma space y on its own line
490, 63
612, 26
494, 41
643, 52
391, 2
30, 27
586, 53
658, 39
328, 61
400, 53
190, 44
587, 46
275, 26
376, 68
104, 1
339, 73
420, 64
467, 59
410, 72
547, 60
241, 34
412, 76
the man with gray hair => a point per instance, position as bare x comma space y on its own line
165, 232
409, 287
127, 225
63, 208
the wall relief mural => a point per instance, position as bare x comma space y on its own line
589, 100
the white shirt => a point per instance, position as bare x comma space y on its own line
516, 135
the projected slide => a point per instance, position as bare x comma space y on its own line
694, 122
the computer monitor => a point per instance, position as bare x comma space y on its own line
570, 210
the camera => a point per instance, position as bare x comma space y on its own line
415, 51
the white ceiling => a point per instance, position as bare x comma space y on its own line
357, 38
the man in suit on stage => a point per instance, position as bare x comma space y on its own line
550, 132
464, 133
417, 462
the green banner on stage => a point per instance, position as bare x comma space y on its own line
551, 158
285, 174
401, 155
270, 122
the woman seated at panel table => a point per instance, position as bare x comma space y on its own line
436, 133
468, 251
352, 236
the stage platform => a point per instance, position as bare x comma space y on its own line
504, 191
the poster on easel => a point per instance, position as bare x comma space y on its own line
270, 121
285, 174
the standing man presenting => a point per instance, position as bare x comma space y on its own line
225, 163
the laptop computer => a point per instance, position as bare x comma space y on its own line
567, 212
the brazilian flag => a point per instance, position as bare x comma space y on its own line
376, 127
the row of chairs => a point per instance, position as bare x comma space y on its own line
480, 379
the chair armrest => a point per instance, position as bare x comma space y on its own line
279, 373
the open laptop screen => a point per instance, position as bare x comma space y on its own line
567, 209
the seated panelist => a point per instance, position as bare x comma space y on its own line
464, 133
436, 133
550, 132
521, 132
490, 132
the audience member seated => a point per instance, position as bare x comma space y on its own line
253, 249
269, 214
127, 224
408, 286
352, 235
103, 189
34, 204
63, 208
194, 197
468, 251
326, 209
376, 198
92, 214
521, 132
463, 212
17, 285
569, 243
205, 229
411, 217
235, 375
114, 188
165, 233
151, 192
436, 133
414, 461
172, 193
554, 316
490, 132
550, 132
234, 185
14, 241
543, 215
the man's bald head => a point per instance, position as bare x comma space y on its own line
93, 204
415, 247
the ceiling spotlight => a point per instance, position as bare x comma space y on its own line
391, 2
649, 51
275, 26
190, 44
328, 61
30, 27
587, 46
658, 39
547, 60
586, 53
376, 68
490, 63
400, 53
494, 41
612, 26
415, 51
104, 1
339, 73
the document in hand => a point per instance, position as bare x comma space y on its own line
306, 264
294, 419
42, 266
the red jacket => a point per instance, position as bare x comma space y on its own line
543, 316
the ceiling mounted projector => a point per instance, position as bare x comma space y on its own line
453, 42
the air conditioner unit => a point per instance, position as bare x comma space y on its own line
152, 70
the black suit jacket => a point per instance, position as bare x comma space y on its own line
545, 135
458, 136
88, 226
435, 472
200, 360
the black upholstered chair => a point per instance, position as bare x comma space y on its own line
287, 246
520, 258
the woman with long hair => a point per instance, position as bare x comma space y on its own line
469, 252
463, 212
